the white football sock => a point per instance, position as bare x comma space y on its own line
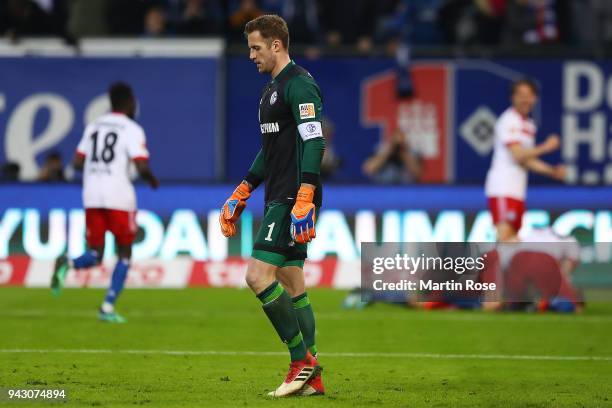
107, 307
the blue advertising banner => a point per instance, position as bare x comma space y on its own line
45, 104
348, 199
449, 122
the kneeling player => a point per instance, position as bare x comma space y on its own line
536, 272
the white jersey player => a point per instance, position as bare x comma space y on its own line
108, 146
515, 153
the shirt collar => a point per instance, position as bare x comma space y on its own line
284, 70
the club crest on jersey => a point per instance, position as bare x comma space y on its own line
269, 127
273, 98
307, 111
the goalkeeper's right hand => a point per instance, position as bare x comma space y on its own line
233, 207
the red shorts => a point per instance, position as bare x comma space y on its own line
505, 209
528, 270
122, 224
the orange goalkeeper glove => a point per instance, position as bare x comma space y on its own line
303, 216
233, 207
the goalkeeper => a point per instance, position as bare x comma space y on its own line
288, 164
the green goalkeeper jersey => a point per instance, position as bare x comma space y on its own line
292, 140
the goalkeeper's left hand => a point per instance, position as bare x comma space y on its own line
303, 216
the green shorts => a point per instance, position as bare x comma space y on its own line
273, 243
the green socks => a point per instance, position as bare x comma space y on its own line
306, 320
278, 307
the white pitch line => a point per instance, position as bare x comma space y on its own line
437, 356
348, 315
475, 316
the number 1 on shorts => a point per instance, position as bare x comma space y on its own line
270, 229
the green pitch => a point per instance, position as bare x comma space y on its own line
213, 348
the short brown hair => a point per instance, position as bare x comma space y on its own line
527, 82
271, 27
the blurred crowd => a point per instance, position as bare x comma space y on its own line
363, 24
51, 171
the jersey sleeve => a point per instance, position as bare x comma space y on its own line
256, 172
83, 146
303, 95
512, 129
137, 145
312, 157
508, 131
